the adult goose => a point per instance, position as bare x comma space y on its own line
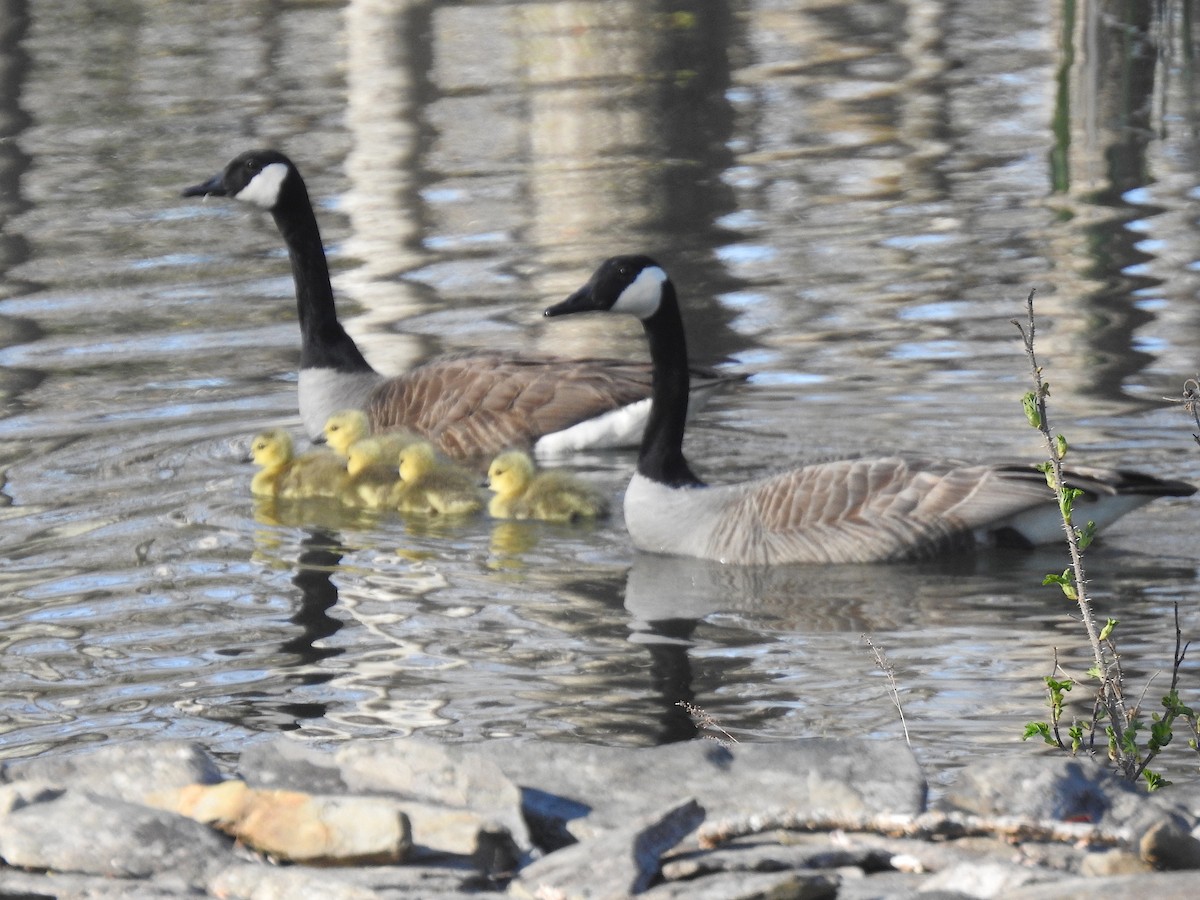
855, 510
471, 405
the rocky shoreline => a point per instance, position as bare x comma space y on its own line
409, 818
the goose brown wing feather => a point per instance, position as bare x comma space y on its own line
479, 404
870, 510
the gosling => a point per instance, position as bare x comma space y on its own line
317, 473
553, 496
371, 480
346, 426
433, 486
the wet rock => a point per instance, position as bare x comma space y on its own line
81, 832
617, 864
128, 771
298, 827
832, 775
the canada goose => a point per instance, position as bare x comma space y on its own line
524, 493
317, 473
858, 510
371, 477
430, 485
471, 405
346, 426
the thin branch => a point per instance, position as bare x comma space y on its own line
885, 666
1108, 667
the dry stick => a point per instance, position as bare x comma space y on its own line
922, 827
1191, 402
1108, 668
886, 667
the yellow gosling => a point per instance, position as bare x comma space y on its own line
434, 486
371, 479
524, 493
346, 426
316, 473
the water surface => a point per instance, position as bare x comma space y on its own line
854, 200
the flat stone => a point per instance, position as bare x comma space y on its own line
287, 765
1159, 885
299, 827
18, 885
765, 855
751, 886
457, 797
986, 879
256, 882
78, 831
458, 801
817, 774
128, 770
614, 865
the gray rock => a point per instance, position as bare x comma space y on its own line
1078, 790
761, 854
284, 764
834, 776
458, 801
755, 886
618, 864
255, 882
129, 771
1159, 885
17, 885
78, 831
986, 879
406, 882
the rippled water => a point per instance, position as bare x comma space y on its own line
854, 199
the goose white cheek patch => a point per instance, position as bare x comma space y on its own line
644, 293
263, 189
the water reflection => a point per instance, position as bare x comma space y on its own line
855, 199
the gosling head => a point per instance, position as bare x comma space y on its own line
272, 449
510, 473
364, 453
417, 460
345, 427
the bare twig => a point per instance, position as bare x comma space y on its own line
705, 722
885, 666
1191, 402
925, 826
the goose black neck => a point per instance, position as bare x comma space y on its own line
324, 343
661, 457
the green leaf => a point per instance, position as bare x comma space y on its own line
1076, 733
1060, 446
1030, 404
1107, 630
1086, 535
1036, 728
1154, 781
